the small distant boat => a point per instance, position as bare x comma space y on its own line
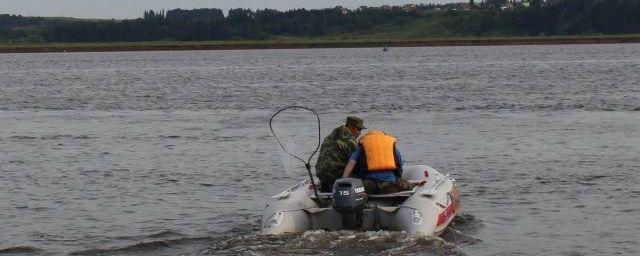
427, 209
385, 49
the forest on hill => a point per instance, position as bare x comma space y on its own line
492, 18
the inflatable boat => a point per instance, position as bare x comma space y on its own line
427, 209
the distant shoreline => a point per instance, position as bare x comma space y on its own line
309, 43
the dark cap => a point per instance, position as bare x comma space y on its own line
355, 122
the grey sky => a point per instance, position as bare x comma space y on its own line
120, 9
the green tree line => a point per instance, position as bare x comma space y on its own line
487, 18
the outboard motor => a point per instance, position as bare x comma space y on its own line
349, 199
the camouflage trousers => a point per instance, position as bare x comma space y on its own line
383, 187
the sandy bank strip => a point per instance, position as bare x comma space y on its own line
244, 45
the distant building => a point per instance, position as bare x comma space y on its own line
409, 7
457, 7
342, 10
513, 4
509, 5
464, 6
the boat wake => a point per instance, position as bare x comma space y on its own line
245, 240
462, 230
319, 242
346, 242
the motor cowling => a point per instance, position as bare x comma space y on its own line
349, 195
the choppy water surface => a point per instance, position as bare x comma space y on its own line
169, 153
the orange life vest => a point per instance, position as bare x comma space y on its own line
379, 150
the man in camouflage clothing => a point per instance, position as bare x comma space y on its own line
335, 151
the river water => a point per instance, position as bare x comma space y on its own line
169, 153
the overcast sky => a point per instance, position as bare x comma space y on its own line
122, 9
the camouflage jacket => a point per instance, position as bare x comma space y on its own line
334, 154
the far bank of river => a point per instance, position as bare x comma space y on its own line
309, 43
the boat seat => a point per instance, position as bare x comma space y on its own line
329, 195
397, 194
407, 193
418, 183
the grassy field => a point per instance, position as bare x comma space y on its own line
407, 38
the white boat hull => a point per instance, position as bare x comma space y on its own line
427, 209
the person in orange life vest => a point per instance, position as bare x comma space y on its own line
379, 164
